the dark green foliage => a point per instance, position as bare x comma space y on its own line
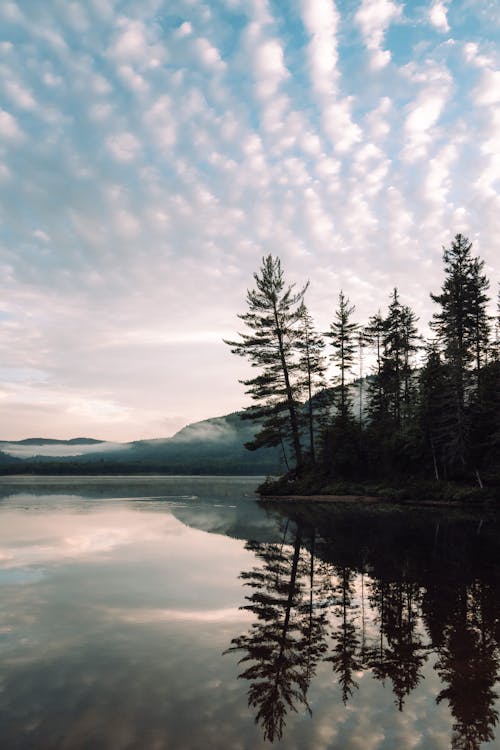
343, 339
462, 329
312, 368
273, 317
433, 413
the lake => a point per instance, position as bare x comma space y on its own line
181, 613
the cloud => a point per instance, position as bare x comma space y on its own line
131, 41
21, 96
438, 16
374, 18
339, 125
124, 146
488, 90
208, 54
9, 129
149, 161
321, 20
269, 67
426, 109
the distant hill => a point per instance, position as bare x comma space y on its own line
213, 446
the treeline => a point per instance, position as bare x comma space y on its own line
194, 467
427, 409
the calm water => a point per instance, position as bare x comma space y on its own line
122, 625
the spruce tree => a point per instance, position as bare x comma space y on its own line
273, 318
341, 443
343, 338
374, 336
433, 411
312, 368
393, 356
461, 326
410, 344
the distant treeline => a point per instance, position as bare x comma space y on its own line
429, 409
69, 467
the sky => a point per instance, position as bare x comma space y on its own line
151, 153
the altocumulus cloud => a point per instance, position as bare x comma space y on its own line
149, 156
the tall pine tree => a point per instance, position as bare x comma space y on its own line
312, 368
343, 338
461, 326
273, 318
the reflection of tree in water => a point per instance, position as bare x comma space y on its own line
468, 666
286, 641
400, 653
346, 641
428, 592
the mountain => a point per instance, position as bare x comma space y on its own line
213, 446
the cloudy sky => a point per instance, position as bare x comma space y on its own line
152, 152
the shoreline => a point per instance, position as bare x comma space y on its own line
325, 498
366, 500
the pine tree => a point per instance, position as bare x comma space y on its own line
410, 342
480, 318
433, 410
342, 335
374, 334
462, 330
393, 356
312, 367
273, 318
341, 439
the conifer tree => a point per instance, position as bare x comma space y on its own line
461, 326
342, 335
410, 339
480, 318
341, 440
312, 368
374, 334
433, 410
393, 356
273, 318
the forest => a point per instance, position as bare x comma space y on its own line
427, 411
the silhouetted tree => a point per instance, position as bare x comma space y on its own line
461, 326
312, 368
273, 317
343, 339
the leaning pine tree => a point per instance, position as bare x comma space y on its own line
273, 318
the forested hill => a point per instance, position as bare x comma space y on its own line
213, 446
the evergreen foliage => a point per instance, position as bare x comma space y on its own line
312, 366
438, 418
273, 317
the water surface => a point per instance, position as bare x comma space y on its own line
180, 613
